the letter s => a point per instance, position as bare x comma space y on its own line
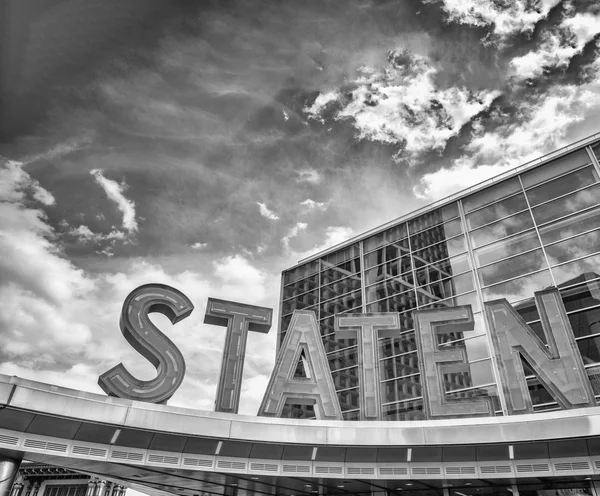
151, 343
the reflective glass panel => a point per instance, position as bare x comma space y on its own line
401, 389
303, 302
446, 268
301, 272
400, 267
579, 246
583, 296
433, 217
385, 237
567, 205
435, 234
301, 286
573, 272
491, 391
399, 366
291, 410
457, 376
447, 336
340, 287
341, 255
349, 399
347, 378
497, 211
406, 410
341, 304
555, 168
390, 252
512, 267
389, 288
351, 415
586, 322
593, 374
589, 348
476, 348
404, 343
482, 373
549, 487
562, 185
332, 273
520, 288
465, 299
445, 288
397, 303
493, 232
343, 358
491, 194
507, 248
585, 221
440, 251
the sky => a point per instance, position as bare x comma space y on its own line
211, 145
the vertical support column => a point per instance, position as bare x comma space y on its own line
91, 487
9, 468
35, 488
122, 490
100, 488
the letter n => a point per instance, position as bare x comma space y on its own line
558, 367
302, 341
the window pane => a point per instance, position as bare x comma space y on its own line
400, 344
349, 399
301, 286
340, 287
300, 302
407, 410
390, 252
388, 288
519, 289
506, 248
512, 267
496, 211
345, 378
466, 299
441, 251
343, 359
498, 230
555, 168
579, 246
433, 218
570, 226
397, 303
445, 288
301, 272
567, 205
589, 349
401, 389
482, 373
446, 268
491, 194
387, 236
562, 185
332, 273
399, 267
436, 234
338, 305
573, 272
583, 296
447, 336
586, 322
490, 391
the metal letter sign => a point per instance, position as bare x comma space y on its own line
436, 362
151, 343
239, 318
317, 388
558, 367
367, 328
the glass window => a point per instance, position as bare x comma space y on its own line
567, 205
340, 287
574, 272
555, 168
445, 288
465, 299
520, 288
389, 288
347, 378
571, 226
489, 391
406, 410
579, 246
435, 234
300, 302
397, 303
549, 487
476, 348
351, 415
512, 267
491, 194
434, 217
497, 211
301, 272
441, 251
301, 286
445, 268
391, 346
341, 255
586, 323
482, 372
498, 230
341, 304
390, 252
444, 337
562, 185
333, 273
349, 399
507, 248
291, 410
343, 358
400, 267
401, 389
583, 296
333, 345
383, 238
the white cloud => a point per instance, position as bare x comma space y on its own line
286, 117
293, 232
504, 18
311, 204
85, 234
309, 176
265, 212
115, 191
321, 103
401, 105
15, 182
199, 246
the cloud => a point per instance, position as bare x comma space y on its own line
85, 235
321, 103
504, 19
265, 212
286, 117
312, 205
560, 44
309, 176
15, 183
401, 105
293, 232
115, 191
199, 246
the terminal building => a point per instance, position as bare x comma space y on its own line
533, 229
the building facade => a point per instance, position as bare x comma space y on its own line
531, 229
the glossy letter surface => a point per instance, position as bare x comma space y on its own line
558, 367
302, 339
436, 362
151, 343
239, 318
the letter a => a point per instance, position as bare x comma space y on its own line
302, 338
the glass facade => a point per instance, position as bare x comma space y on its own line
535, 230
